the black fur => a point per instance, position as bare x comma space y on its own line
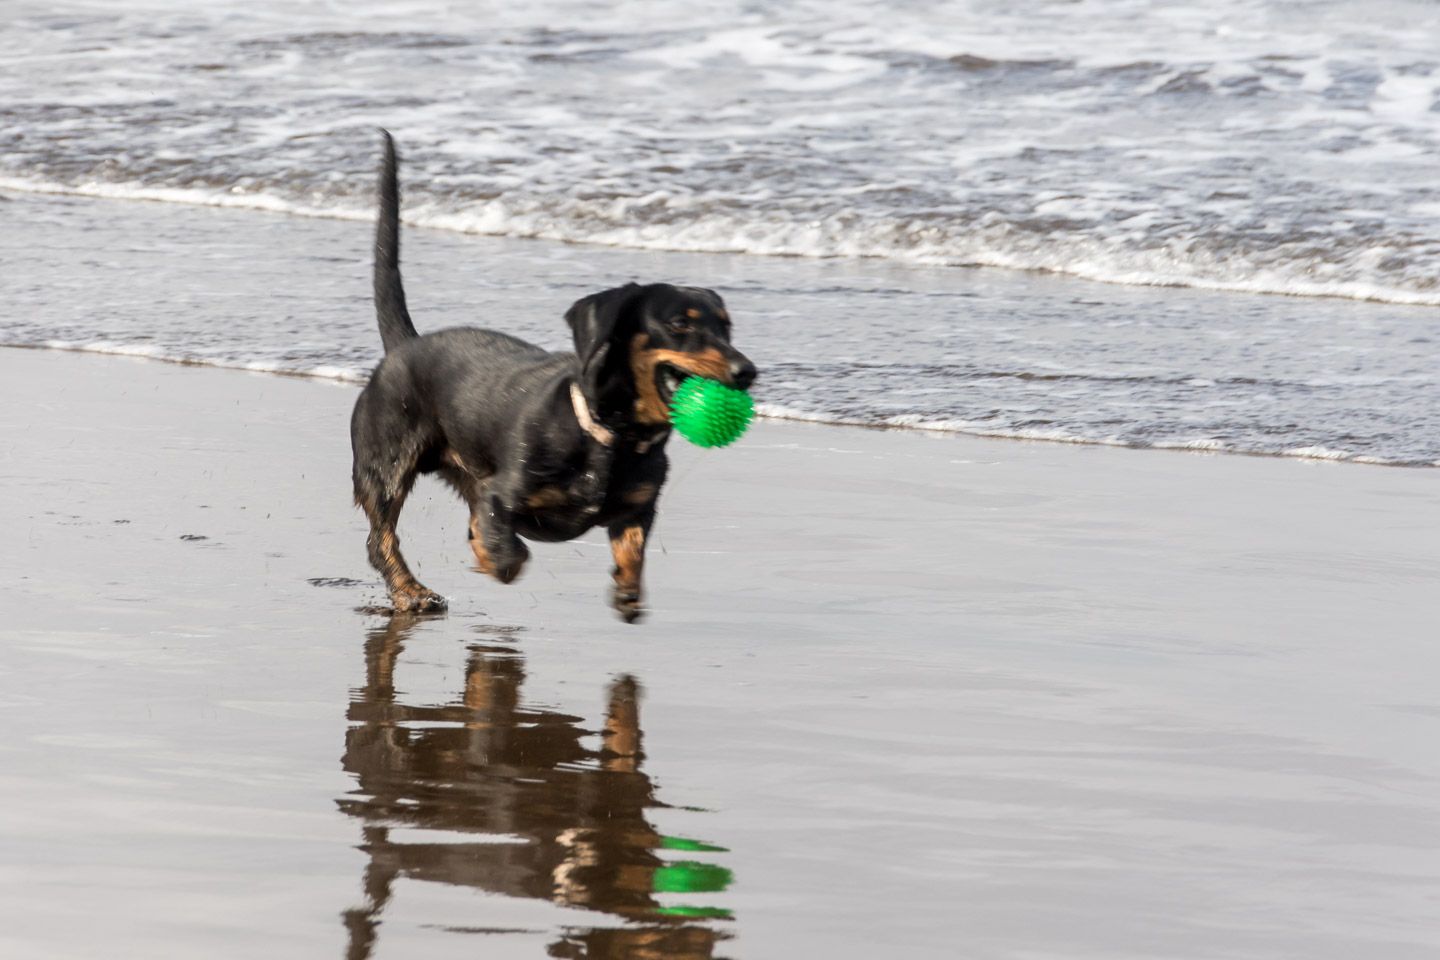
395, 323
494, 417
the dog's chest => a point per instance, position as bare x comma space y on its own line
562, 510
611, 482
582, 496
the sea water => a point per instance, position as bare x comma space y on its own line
860, 158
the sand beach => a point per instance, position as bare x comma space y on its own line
927, 696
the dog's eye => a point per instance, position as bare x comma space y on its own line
679, 324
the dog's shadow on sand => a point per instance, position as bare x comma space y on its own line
490, 794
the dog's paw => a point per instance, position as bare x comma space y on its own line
508, 566
418, 599
627, 605
509, 572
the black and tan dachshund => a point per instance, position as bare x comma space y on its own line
540, 445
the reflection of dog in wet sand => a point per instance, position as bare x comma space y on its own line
488, 768
541, 445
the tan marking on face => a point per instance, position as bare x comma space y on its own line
693, 313
649, 408
629, 551
722, 314
639, 495
547, 497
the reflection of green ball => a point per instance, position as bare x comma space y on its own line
703, 913
689, 876
710, 414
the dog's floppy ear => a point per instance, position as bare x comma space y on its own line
598, 322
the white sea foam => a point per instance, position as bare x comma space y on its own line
239, 200
586, 223
1061, 435
1204, 444
321, 371
1224, 148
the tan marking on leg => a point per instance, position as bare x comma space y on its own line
639, 495
477, 547
384, 551
492, 688
622, 727
380, 660
413, 595
547, 497
629, 552
382, 498
398, 578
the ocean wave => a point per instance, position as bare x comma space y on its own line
676, 223
1230, 149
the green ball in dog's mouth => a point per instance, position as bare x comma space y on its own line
710, 414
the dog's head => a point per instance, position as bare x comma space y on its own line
637, 344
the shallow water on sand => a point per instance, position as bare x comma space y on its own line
1042, 701
487, 792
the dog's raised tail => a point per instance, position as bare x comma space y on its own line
395, 323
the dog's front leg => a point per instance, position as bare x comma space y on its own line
627, 545
500, 551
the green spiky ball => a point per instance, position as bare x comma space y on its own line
710, 414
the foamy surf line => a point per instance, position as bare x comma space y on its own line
964, 428
832, 239
765, 411
146, 351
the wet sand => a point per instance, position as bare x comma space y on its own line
919, 696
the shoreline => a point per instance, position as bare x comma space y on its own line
347, 380
1139, 697
971, 352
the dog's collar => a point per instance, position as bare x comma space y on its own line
602, 435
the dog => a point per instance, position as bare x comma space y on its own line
540, 445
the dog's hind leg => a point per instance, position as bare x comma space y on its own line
382, 498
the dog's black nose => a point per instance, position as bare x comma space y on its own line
743, 372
